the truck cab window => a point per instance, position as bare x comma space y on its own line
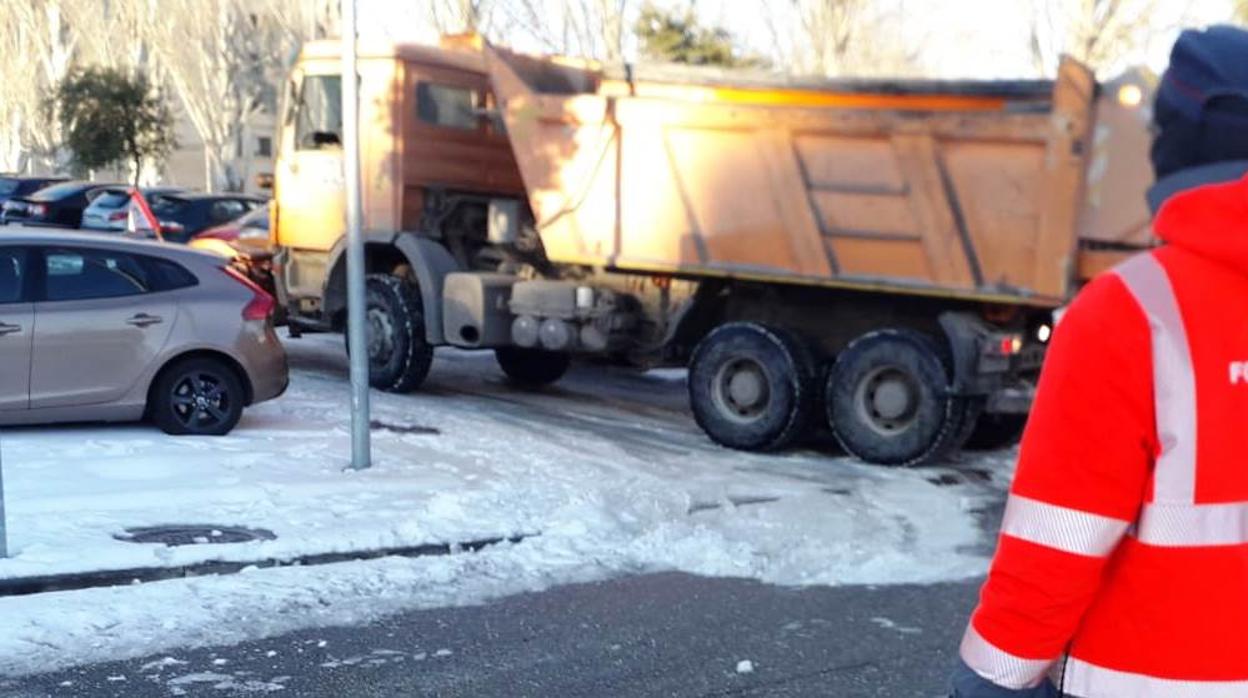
319, 120
444, 105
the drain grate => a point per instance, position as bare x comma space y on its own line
193, 534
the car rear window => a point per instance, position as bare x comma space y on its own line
168, 204
111, 198
57, 192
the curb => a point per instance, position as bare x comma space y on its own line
26, 586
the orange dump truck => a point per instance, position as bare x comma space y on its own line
878, 257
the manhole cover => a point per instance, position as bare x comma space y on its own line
193, 534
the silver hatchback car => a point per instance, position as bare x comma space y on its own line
100, 328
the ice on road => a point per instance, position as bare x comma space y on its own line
606, 467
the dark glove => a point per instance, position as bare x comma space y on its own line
968, 684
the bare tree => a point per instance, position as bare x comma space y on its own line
456, 16
37, 35
840, 37
1100, 33
217, 55
589, 28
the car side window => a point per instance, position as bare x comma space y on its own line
82, 274
12, 274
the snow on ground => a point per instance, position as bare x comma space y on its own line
607, 468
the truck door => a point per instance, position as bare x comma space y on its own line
308, 188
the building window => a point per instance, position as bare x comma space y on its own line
443, 105
264, 147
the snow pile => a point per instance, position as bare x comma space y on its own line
610, 472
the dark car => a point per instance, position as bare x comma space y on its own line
60, 205
182, 216
13, 186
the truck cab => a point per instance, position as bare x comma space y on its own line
433, 155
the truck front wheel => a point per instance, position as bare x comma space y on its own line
750, 386
532, 368
399, 356
888, 402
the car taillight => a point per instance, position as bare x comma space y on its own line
37, 210
261, 305
117, 216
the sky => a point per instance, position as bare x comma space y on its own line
960, 38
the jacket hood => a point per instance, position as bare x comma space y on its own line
1210, 220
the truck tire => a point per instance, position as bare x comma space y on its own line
887, 399
994, 431
532, 368
399, 357
751, 386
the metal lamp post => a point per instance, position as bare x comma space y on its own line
357, 322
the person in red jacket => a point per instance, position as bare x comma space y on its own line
1122, 565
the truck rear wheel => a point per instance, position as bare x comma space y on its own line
887, 399
399, 357
532, 368
750, 386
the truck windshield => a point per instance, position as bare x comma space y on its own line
319, 121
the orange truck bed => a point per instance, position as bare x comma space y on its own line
1008, 192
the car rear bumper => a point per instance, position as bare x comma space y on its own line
265, 361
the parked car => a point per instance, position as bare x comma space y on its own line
181, 216
110, 207
15, 185
59, 205
249, 234
245, 242
105, 328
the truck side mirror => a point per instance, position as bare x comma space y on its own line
264, 181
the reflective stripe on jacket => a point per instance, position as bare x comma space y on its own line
1124, 546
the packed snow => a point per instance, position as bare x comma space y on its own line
605, 472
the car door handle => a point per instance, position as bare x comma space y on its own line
143, 320
9, 329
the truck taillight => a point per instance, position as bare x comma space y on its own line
1010, 345
261, 305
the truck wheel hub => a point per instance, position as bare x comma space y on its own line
380, 344
741, 389
888, 400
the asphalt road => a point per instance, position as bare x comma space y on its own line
653, 635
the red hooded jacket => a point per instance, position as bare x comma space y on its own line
1122, 566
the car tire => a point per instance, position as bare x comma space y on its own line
887, 399
995, 431
399, 356
199, 397
532, 368
750, 386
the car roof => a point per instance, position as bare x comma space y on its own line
204, 196
71, 186
41, 236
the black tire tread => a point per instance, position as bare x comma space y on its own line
796, 354
160, 411
956, 410
417, 358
